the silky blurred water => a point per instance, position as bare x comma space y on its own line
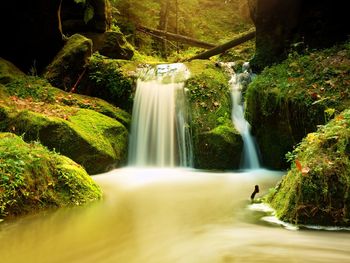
167, 216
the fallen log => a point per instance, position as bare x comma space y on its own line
222, 48
175, 37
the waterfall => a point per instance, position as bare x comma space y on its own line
160, 133
250, 156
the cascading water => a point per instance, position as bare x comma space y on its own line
250, 155
159, 132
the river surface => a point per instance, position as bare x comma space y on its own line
168, 216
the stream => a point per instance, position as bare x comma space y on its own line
168, 216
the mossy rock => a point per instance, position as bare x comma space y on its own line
111, 44
68, 65
35, 89
289, 100
110, 79
316, 190
9, 72
210, 105
219, 148
33, 178
93, 140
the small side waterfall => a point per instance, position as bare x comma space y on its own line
160, 133
250, 155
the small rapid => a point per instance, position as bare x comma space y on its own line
250, 158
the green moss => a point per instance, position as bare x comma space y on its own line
210, 106
33, 178
109, 79
317, 188
89, 138
289, 100
219, 148
69, 63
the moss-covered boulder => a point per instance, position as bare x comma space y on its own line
89, 130
111, 44
93, 140
317, 188
219, 148
287, 101
34, 178
216, 144
68, 65
110, 79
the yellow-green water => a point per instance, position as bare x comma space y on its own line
167, 216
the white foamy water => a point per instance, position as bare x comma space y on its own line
250, 156
159, 132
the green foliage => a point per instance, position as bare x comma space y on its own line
33, 178
316, 190
110, 82
217, 145
208, 95
37, 89
213, 21
288, 100
89, 13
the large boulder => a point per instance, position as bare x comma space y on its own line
66, 68
110, 79
288, 101
89, 130
216, 144
34, 178
280, 25
316, 190
93, 140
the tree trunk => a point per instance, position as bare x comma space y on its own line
163, 24
222, 48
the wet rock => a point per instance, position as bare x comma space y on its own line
219, 148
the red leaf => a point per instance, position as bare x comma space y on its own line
298, 165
